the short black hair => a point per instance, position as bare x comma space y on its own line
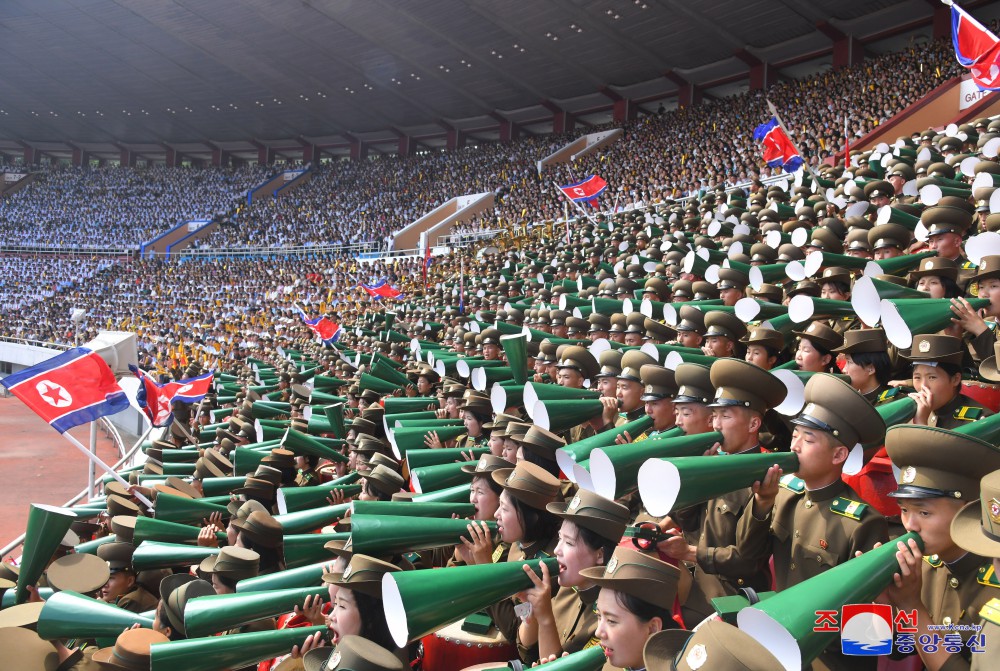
881, 362
646, 611
538, 524
596, 541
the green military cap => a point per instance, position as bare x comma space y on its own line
577, 326
579, 359
659, 382
632, 361
724, 324
976, 528
715, 645
766, 337
704, 291
589, 510
611, 363
863, 340
175, 591
740, 383
261, 527
362, 574
640, 575
937, 463
353, 653
694, 383
234, 563
529, 483
822, 334
833, 406
933, 349
131, 650
657, 331
691, 319
118, 555
598, 322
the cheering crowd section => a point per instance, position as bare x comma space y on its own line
25, 280
98, 208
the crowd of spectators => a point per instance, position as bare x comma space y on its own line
26, 280
118, 207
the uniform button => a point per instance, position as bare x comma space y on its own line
739, 581
809, 504
796, 534
946, 621
818, 558
725, 507
792, 566
953, 583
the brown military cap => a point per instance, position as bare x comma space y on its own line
659, 382
879, 188
946, 218
82, 573
835, 274
771, 293
232, 562
976, 528
937, 463
213, 464
863, 340
691, 319
640, 575
682, 289
131, 650
988, 368
384, 479
766, 337
598, 322
704, 291
254, 486
541, 442
123, 527
657, 331
279, 458
632, 362
658, 288
579, 359
118, 505
611, 363
577, 326
362, 574
825, 240
353, 653
586, 509
930, 348
635, 323
694, 383
529, 483
889, 235
989, 268
260, 527
23, 649
730, 278
833, 406
819, 333
740, 383
175, 591
724, 324
935, 266
486, 465
118, 555
716, 645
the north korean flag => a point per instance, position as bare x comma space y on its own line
588, 190
327, 330
69, 389
381, 290
976, 48
775, 146
156, 399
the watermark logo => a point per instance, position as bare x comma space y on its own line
869, 630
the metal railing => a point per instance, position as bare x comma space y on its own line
48, 250
466, 239
298, 250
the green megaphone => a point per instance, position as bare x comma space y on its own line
68, 614
271, 410
303, 443
456, 494
172, 508
47, 526
379, 535
446, 455
396, 405
574, 453
294, 499
536, 391
306, 521
440, 476
506, 394
614, 469
897, 265
411, 508
90, 547
153, 555
221, 486
404, 440
558, 416
305, 549
787, 620
673, 484
903, 318
207, 615
376, 384
419, 602
150, 529
516, 349
868, 292
226, 652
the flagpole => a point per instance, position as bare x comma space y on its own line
575, 204
107, 469
805, 161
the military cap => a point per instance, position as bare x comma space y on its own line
889, 235
384, 460
691, 319
490, 336
384, 479
936, 462
131, 650
857, 341
724, 324
78, 572
704, 290
618, 322
976, 528
683, 289
579, 359
715, 645
835, 274
24, 649
586, 509
771, 293
175, 592
740, 383
635, 323
901, 169
599, 322
577, 326
353, 653
260, 527
123, 527
659, 382
529, 483
558, 317
632, 361
947, 218
989, 268
624, 285
487, 464
117, 554
657, 287
234, 563
933, 348
362, 574
819, 333
763, 253
857, 240
789, 252
935, 266
257, 487
541, 442
879, 189
611, 363
833, 406
694, 384
766, 337
118, 505
362, 425
825, 240
278, 458
637, 574
657, 331
213, 464
547, 351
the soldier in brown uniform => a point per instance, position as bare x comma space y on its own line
122, 588
937, 378
868, 364
945, 584
812, 521
627, 405
694, 392
743, 393
722, 339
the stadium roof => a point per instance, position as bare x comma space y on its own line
103, 75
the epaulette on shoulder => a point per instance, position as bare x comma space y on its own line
968, 413
792, 483
991, 611
988, 576
969, 265
848, 508
848, 318
934, 561
891, 392
498, 553
412, 557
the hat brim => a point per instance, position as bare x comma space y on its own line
988, 369
665, 645
606, 529
641, 588
967, 532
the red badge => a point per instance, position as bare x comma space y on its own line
823, 544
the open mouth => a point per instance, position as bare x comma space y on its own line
562, 568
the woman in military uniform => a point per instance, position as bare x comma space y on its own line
867, 364
815, 349
937, 378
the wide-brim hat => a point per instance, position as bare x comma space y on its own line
262, 528
232, 562
130, 651
976, 527
362, 574
603, 516
486, 465
716, 645
640, 575
83, 573
23, 649
529, 483
934, 348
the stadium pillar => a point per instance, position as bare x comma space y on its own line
508, 131
456, 139
847, 51
79, 158
311, 153
220, 157
942, 20
265, 155
406, 146
30, 155
172, 158
125, 157
359, 150
563, 122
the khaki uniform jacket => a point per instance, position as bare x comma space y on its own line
955, 594
306, 479
138, 600
990, 620
503, 612
959, 412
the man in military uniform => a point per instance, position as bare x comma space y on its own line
575, 366
123, 588
690, 327
812, 521
945, 584
937, 377
946, 223
722, 339
879, 192
627, 405
732, 285
743, 393
694, 392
